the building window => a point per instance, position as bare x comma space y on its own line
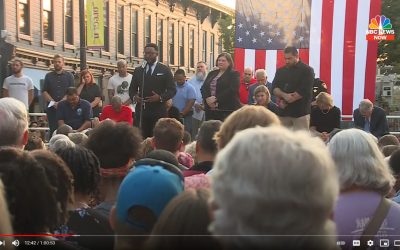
212, 46
160, 27
191, 48
171, 42
24, 17
68, 21
182, 47
47, 20
135, 33
204, 54
120, 28
106, 26
147, 29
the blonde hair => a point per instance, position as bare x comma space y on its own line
324, 98
56, 56
246, 117
263, 89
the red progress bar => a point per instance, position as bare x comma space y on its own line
36, 235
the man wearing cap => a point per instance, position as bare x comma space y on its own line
142, 196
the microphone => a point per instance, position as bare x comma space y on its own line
144, 63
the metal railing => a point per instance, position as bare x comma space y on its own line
347, 122
38, 128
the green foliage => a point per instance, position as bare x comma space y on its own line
227, 29
389, 51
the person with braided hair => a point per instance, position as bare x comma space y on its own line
83, 220
36, 201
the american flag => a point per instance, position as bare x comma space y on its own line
330, 36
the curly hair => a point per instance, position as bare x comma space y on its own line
85, 168
114, 143
31, 199
60, 178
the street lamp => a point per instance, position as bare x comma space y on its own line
82, 32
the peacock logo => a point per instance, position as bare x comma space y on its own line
380, 28
380, 22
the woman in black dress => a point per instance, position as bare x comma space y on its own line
90, 91
220, 89
325, 116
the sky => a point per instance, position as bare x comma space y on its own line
230, 3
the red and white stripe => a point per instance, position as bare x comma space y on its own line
339, 52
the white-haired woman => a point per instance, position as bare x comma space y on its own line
365, 179
259, 189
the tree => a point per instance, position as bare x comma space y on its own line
389, 51
227, 29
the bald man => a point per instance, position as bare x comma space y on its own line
248, 79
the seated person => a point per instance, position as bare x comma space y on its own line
206, 148
262, 97
325, 116
117, 112
142, 196
264, 197
74, 111
365, 180
371, 119
394, 164
168, 135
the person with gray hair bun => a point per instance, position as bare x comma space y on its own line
280, 200
371, 119
14, 123
365, 179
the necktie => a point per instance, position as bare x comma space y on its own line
366, 125
149, 69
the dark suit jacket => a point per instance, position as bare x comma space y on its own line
161, 82
227, 92
378, 123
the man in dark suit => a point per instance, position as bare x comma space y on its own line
371, 119
152, 84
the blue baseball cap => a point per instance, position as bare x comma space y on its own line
148, 186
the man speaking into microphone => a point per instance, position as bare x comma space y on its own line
152, 84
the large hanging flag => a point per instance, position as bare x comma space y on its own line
330, 36
95, 24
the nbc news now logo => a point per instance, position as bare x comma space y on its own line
380, 29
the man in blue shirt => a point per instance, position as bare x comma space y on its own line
74, 111
198, 109
184, 99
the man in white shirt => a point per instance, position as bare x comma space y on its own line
118, 84
18, 85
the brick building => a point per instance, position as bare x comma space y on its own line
185, 30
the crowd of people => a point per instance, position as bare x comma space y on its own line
213, 162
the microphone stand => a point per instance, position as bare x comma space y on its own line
141, 96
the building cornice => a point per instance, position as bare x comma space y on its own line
216, 6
